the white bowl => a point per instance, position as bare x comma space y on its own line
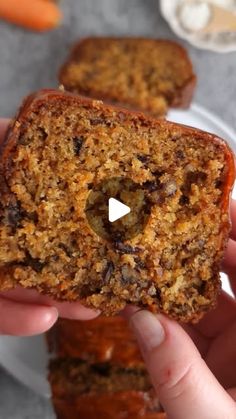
225, 42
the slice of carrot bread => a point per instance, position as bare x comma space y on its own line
145, 74
80, 390
104, 339
58, 151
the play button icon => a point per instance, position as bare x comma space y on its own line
116, 210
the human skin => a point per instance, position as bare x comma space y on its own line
193, 368
25, 312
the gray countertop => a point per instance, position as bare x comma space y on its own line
30, 61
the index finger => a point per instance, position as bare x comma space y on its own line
69, 310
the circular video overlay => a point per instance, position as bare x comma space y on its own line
117, 209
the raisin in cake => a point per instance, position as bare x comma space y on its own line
57, 151
146, 74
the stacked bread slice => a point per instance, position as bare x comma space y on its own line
97, 372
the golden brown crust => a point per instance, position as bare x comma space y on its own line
104, 339
36, 102
180, 99
37, 99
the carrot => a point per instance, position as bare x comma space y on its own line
37, 15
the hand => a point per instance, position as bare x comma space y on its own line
24, 312
193, 368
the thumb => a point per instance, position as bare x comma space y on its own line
184, 384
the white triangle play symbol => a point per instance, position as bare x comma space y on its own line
116, 210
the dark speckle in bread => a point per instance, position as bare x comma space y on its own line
46, 241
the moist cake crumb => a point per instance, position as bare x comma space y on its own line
51, 160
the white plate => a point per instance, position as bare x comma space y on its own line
26, 358
224, 42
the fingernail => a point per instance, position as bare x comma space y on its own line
51, 315
148, 329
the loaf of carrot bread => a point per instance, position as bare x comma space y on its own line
104, 339
63, 157
81, 390
145, 74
